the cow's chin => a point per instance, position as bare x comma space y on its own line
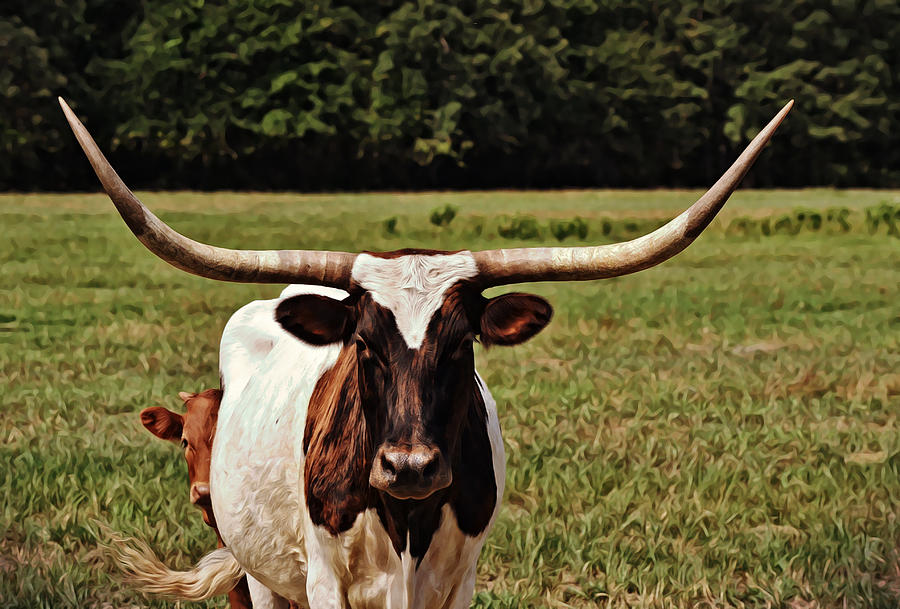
206, 510
209, 519
412, 493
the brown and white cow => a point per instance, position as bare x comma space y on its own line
358, 459
195, 431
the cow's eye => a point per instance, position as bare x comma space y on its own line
362, 350
367, 354
184, 443
464, 348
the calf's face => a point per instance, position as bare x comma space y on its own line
415, 397
195, 431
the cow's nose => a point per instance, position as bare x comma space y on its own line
200, 493
410, 473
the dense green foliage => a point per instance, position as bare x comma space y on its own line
481, 93
718, 431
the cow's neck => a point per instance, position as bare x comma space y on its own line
337, 448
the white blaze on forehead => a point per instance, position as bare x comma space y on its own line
412, 287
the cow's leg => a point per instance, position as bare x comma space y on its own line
239, 597
263, 598
465, 590
323, 588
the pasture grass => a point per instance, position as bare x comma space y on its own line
721, 430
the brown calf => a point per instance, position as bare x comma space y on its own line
195, 430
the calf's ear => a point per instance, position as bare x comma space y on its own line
163, 423
316, 319
513, 318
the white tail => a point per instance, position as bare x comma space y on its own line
216, 573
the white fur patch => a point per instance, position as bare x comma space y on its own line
412, 287
252, 332
408, 575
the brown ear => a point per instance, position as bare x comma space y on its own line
316, 319
163, 423
512, 319
210, 394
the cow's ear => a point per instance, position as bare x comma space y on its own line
512, 319
316, 319
163, 423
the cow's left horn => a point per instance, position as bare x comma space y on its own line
245, 266
504, 266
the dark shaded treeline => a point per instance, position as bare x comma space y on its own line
368, 94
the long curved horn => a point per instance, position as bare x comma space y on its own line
504, 266
245, 266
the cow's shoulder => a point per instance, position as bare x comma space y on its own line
252, 333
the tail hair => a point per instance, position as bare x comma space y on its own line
215, 574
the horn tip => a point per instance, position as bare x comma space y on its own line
776, 121
70, 116
787, 108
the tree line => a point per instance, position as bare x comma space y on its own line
372, 94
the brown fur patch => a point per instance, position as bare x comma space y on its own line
338, 453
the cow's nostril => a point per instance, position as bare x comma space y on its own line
386, 465
430, 469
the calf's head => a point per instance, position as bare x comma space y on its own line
194, 431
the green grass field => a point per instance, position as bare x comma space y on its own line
721, 430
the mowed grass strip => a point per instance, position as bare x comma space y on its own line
721, 430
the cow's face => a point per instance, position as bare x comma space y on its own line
194, 431
415, 367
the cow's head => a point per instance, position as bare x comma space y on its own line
194, 431
409, 324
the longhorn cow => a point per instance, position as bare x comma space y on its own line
358, 460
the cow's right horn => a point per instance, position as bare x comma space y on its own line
518, 265
244, 266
